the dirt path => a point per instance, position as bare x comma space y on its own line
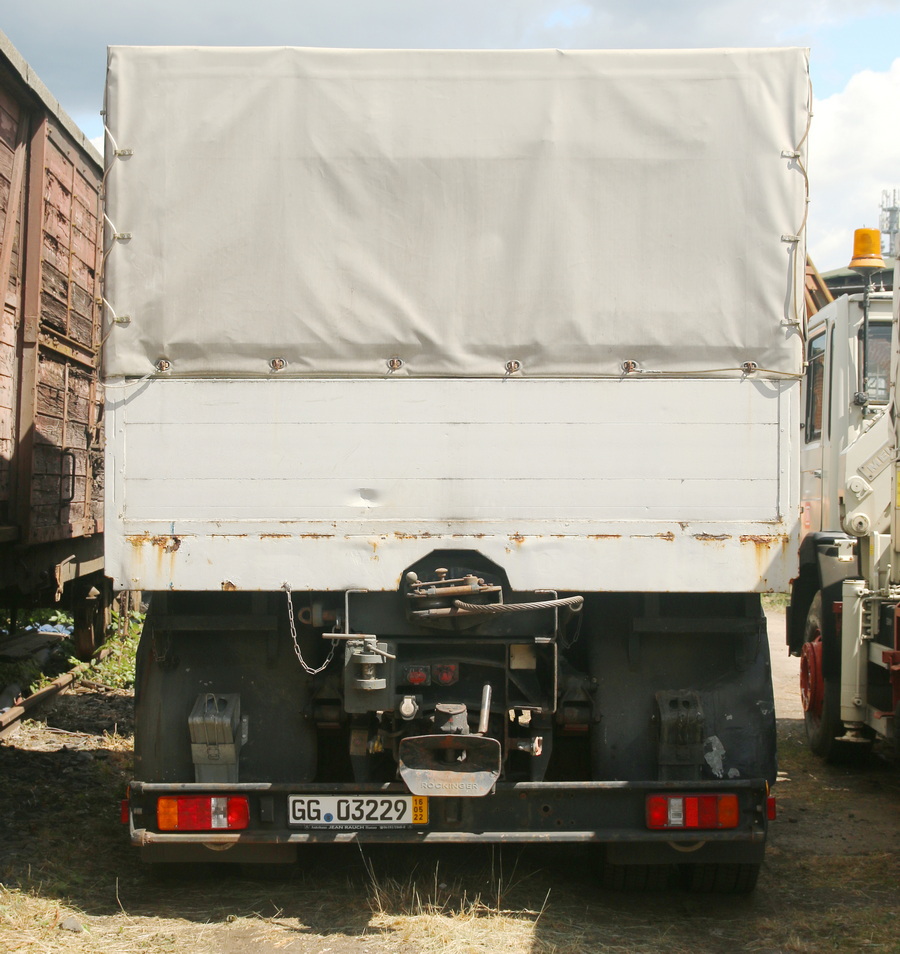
829, 882
785, 669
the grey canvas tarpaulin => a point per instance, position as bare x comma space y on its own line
456, 210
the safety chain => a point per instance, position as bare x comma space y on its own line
334, 643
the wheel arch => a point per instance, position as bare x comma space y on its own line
822, 568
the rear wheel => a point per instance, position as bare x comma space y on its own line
821, 698
722, 878
819, 695
274, 872
168, 871
635, 877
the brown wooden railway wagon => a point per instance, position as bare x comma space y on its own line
51, 477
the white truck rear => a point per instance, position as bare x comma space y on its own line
396, 336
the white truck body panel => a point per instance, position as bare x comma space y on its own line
572, 484
457, 211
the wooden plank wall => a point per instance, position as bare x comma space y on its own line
51, 482
11, 181
66, 489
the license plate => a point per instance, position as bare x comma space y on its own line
357, 811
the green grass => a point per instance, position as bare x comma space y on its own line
775, 600
117, 669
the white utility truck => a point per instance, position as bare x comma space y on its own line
452, 406
843, 620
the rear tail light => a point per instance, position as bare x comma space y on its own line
202, 813
770, 808
692, 811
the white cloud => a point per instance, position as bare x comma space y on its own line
70, 57
854, 152
696, 23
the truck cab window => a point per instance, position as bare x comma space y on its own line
815, 382
878, 372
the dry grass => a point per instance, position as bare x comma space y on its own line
546, 911
817, 894
32, 924
451, 915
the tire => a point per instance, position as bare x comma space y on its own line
820, 695
712, 878
821, 698
635, 877
179, 871
271, 872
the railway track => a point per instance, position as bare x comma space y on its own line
12, 716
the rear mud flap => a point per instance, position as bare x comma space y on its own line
458, 765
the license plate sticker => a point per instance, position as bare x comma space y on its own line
357, 811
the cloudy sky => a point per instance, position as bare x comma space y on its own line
855, 139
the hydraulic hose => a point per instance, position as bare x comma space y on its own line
573, 603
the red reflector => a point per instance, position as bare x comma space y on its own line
445, 673
124, 812
770, 808
202, 813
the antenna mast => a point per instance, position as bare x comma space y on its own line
890, 222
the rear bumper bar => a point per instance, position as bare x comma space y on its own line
527, 812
